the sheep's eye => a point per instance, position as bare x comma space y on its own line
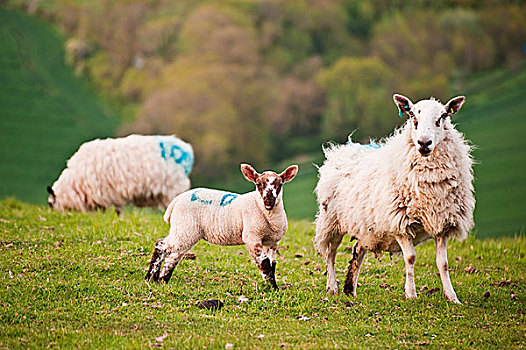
444, 115
416, 123
438, 122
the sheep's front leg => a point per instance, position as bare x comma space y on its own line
332, 282
271, 253
408, 249
358, 253
159, 252
441, 259
263, 262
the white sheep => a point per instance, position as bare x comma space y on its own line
139, 170
256, 219
416, 186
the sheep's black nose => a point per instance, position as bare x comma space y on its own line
425, 143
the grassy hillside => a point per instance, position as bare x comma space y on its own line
76, 280
494, 119
45, 111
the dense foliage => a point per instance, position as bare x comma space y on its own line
260, 81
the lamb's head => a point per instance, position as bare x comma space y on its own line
429, 119
269, 184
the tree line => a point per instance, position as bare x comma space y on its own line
264, 80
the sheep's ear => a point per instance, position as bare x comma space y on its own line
289, 173
50, 191
249, 173
453, 105
404, 105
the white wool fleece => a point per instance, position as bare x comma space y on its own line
383, 191
138, 170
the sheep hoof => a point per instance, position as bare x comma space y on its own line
350, 293
454, 300
332, 291
410, 296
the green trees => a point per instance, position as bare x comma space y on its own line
262, 80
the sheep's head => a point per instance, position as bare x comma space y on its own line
429, 119
269, 183
52, 198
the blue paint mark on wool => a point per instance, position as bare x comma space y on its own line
227, 199
176, 152
194, 198
373, 145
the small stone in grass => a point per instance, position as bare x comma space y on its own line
433, 290
210, 304
470, 269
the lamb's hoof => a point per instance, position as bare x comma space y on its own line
332, 291
410, 296
350, 293
454, 300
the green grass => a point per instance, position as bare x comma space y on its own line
73, 280
46, 111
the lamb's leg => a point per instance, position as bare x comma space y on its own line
408, 249
263, 262
358, 253
441, 259
176, 250
271, 253
158, 255
332, 282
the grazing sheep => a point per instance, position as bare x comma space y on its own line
256, 219
416, 186
146, 171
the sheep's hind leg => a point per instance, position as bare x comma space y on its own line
158, 255
263, 262
441, 260
176, 252
332, 282
408, 249
358, 253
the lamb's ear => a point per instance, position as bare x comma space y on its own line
50, 191
249, 173
289, 173
404, 105
453, 105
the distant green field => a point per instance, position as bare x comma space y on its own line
494, 119
46, 112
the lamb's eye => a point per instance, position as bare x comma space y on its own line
416, 123
444, 115
438, 122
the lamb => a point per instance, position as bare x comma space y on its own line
416, 186
256, 219
140, 170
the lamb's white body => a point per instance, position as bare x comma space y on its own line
139, 170
392, 198
225, 218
